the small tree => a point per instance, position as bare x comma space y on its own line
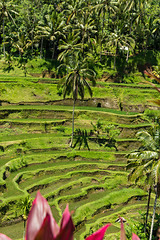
105, 136
76, 80
145, 164
25, 205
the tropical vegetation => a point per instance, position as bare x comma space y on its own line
51, 50
54, 29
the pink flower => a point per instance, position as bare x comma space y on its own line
42, 226
4, 237
123, 235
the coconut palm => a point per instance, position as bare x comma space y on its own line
22, 45
69, 46
73, 10
6, 11
102, 9
156, 176
155, 76
145, 162
76, 80
53, 29
140, 19
86, 29
105, 7
156, 170
120, 42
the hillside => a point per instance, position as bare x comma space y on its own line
35, 126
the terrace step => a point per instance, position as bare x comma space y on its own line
93, 182
26, 121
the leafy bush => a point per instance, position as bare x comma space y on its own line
15, 165
138, 227
105, 135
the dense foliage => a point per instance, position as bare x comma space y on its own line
49, 29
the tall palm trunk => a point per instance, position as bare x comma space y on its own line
153, 216
127, 55
71, 144
41, 50
4, 52
102, 36
53, 52
148, 203
115, 57
83, 47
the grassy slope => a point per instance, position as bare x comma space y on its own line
37, 156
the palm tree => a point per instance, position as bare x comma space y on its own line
86, 29
76, 80
156, 171
22, 44
73, 10
6, 11
69, 46
156, 77
105, 7
145, 163
121, 42
140, 22
53, 29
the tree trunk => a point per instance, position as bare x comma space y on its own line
115, 57
83, 47
32, 40
4, 51
115, 60
148, 203
71, 144
53, 53
153, 216
127, 55
102, 37
41, 51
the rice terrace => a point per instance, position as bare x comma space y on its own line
79, 115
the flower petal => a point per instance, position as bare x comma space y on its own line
67, 227
135, 237
45, 232
40, 208
4, 237
99, 234
123, 235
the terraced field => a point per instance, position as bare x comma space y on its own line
35, 130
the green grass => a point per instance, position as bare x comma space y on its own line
19, 89
116, 197
94, 183
11, 229
63, 108
110, 219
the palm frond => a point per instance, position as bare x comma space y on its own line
156, 172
